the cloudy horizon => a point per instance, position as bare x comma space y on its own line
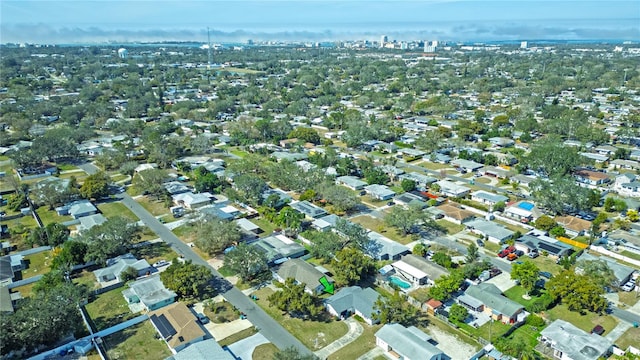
87, 21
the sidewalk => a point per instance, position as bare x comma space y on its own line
355, 330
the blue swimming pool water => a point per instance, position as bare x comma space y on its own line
402, 284
526, 205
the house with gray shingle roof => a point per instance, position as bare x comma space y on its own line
493, 232
351, 182
308, 209
303, 273
488, 198
488, 298
408, 343
150, 292
77, 209
119, 264
382, 248
353, 300
571, 343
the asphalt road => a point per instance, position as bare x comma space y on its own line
273, 331
625, 315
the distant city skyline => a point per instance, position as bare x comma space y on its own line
81, 21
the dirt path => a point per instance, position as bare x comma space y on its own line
451, 345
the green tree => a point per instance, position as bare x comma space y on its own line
53, 234
446, 285
408, 185
213, 235
95, 186
598, 271
472, 253
352, 266
557, 231
458, 313
394, 309
545, 223
151, 182
527, 274
499, 206
128, 274
17, 201
340, 197
295, 301
188, 280
578, 292
419, 249
325, 244
305, 134
290, 218
443, 259
405, 220
246, 261
111, 238
206, 181
72, 253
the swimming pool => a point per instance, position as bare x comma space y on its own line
526, 205
401, 283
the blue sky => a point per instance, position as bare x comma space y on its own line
124, 20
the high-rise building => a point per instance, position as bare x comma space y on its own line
123, 53
383, 40
430, 46
524, 45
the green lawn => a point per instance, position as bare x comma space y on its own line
264, 352
512, 227
545, 263
118, 177
109, 309
630, 337
156, 208
307, 331
221, 312
238, 152
359, 346
629, 298
50, 216
264, 224
238, 336
155, 252
112, 209
421, 294
451, 228
25, 290
585, 322
18, 227
38, 264
66, 167
85, 278
630, 254
136, 342
432, 166
489, 331
379, 226
515, 293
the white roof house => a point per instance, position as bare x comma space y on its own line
452, 189
571, 343
418, 270
380, 192
408, 343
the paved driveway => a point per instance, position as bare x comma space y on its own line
502, 281
244, 348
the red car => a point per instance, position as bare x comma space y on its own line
506, 251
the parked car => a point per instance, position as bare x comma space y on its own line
598, 330
533, 254
519, 253
160, 263
202, 318
495, 272
480, 243
362, 193
545, 274
506, 251
629, 286
512, 256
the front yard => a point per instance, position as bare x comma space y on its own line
112, 209
630, 337
139, 342
359, 346
155, 207
313, 334
50, 216
154, 252
38, 264
109, 309
378, 225
585, 322
451, 228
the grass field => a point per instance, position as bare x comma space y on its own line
585, 322
451, 228
379, 226
136, 342
630, 337
515, 293
85, 278
155, 252
359, 346
38, 264
264, 224
221, 312
50, 216
112, 209
307, 331
156, 208
109, 309
238, 336
17, 228
264, 352
629, 298
630, 254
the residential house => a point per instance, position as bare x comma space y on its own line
501, 142
293, 157
392, 171
177, 326
303, 273
624, 164
220, 211
190, 200
420, 179
353, 300
418, 270
606, 150
407, 343
455, 214
119, 264
150, 293
452, 189
522, 213
8, 299
536, 239
7, 272
278, 248
87, 222
598, 158
573, 226
380, 192
408, 199
432, 306
571, 343
622, 273
308, 209
627, 185
487, 198
351, 182
487, 298
176, 187
382, 248
207, 349
491, 231
247, 226
77, 209
591, 179
496, 172
325, 223
411, 154
467, 165
282, 197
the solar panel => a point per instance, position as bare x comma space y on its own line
549, 248
163, 325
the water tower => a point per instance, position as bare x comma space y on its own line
123, 53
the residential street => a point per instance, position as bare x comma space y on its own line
273, 331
